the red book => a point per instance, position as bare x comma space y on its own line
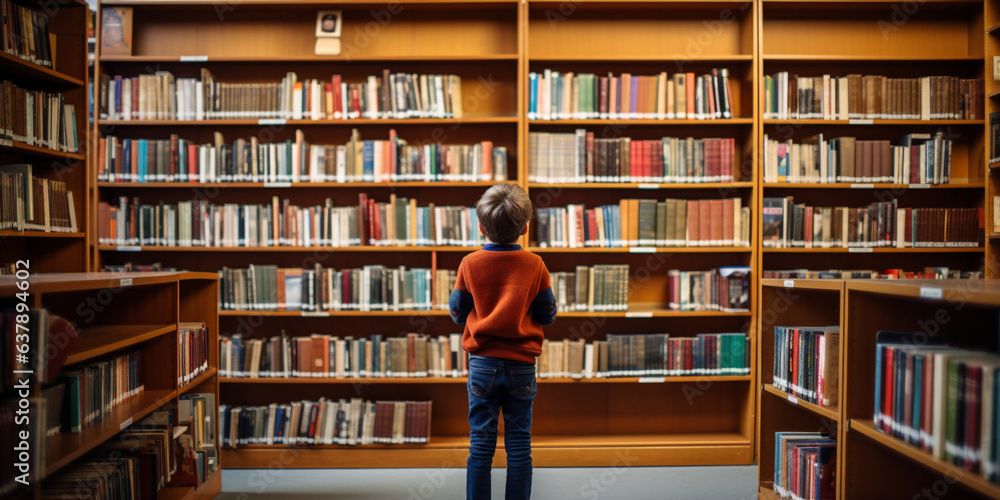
337, 96
887, 393
689, 82
973, 408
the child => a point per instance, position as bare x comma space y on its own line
503, 297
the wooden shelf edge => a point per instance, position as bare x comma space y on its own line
831, 413
360, 249
38, 72
869, 122
876, 250
131, 335
440, 312
282, 2
121, 417
974, 481
642, 250
308, 59
40, 234
641, 185
197, 380
864, 58
655, 59
869, 185
462, 380
313, 185
664, 122
809, 284
766, 492
72, 282
468, 120
22, 148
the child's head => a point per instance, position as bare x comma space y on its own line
503, 213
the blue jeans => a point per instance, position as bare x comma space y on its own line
496, 384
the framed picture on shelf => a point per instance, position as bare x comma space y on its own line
328, 23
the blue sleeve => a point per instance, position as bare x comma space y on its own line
459, 306
543, 308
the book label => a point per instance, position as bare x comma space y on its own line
128, 248
194, 58
642, 250
792, 399
920, 186
125, 424
125, 282
271, 121
315, 314
856, 121
860, 250
647, 185
930, 292
639, 315
652, 380
857, 185
277, 184
789, 283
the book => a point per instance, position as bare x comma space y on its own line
26, 33
124, 98
581, 157
598, 288
192, 351
882, 224
333, 356
927, 273
116, 31
793, 97
920, 159
37, 118
656, 223
181, 160
198, 223
805, 465
724, 289
345, 421
555, 95
806, 363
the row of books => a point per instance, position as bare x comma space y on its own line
93, 391
562, 96
332, 356
192, 351
646, 223
806, 362
725, 289
920, 158
326, 422
199, 413
805, 465
197, 223
37, 118
790, 97
942, 399
250, 160
598, 288
25, 33
580, 157
371, 288
643, 355
888, 274
787, 224
994, 137
162, 96
31, 203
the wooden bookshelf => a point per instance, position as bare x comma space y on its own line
991, 49
139, 312
51, 251
872, 462
816, 37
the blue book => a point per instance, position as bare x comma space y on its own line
918, 385
533, 95
368, 161
143, 159
633, 97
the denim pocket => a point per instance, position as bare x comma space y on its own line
522, 383
481, 380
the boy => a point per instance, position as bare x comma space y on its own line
503, 297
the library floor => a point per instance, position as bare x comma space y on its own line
617, 483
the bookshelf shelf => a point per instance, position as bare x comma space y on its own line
71, 282
830, 412
212, 485
17, 67
571, 314
875, 122
306, 59
63, 448
41, 234
189, 3
21, 148
211, 372
643, 250
706, 58
363, 248
641, 122
818, 58
306, 314
831, 285
462, 380
767, 493
96, 341
304, 123
877, 185
876, 250
547, 450
302, 185
994, 94
641, 185
976, 482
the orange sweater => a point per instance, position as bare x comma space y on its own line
503, 297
